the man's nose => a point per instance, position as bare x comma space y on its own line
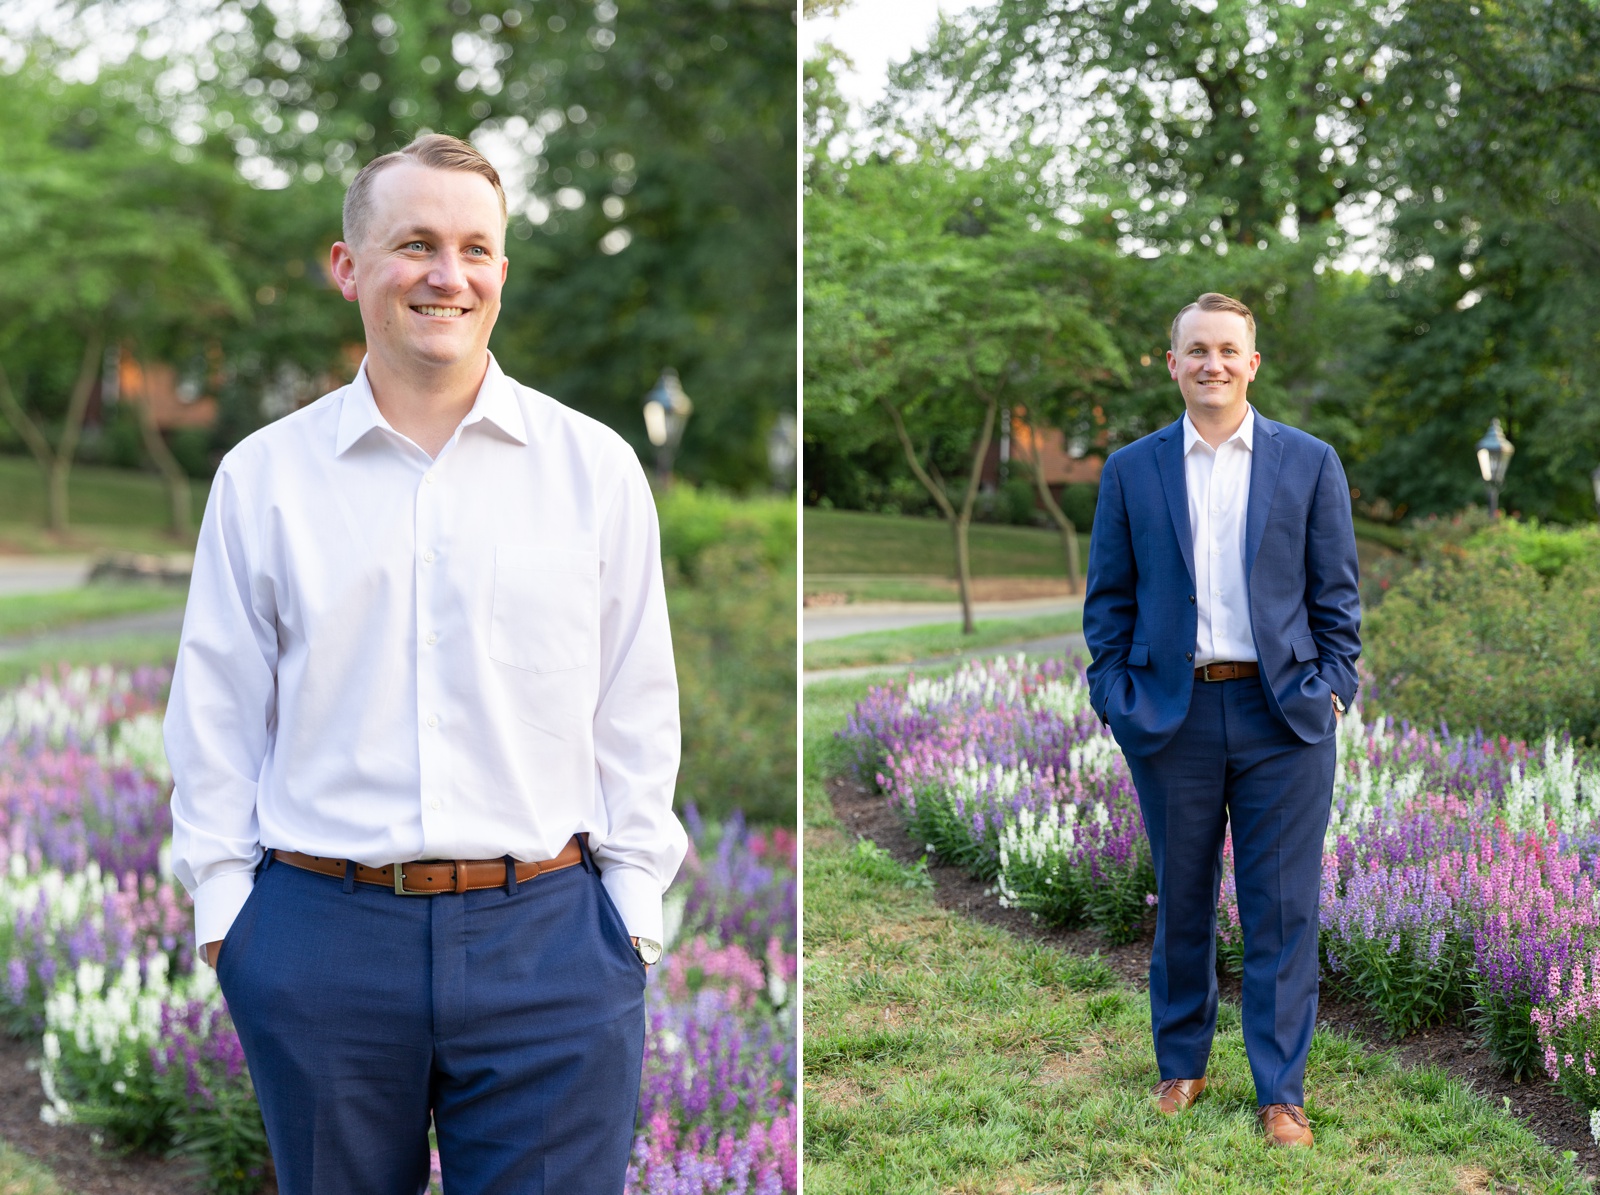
446, 274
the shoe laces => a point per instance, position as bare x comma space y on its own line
1165, 1087
1293, 1113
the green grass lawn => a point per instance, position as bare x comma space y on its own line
943, 1055
921, 643
857, 544
35, 613
108, 508
127, 650
849, 541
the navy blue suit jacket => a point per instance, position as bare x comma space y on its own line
1139, 613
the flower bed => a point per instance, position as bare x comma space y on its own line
96, 945
1459, 870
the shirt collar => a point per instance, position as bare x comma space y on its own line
496, 402
1246, 434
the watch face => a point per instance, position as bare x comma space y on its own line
649, 952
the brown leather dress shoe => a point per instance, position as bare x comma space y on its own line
1285, 1124
1174, 1095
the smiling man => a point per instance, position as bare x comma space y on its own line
426, 656
1223, 616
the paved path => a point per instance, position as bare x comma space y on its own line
834, 622
1072, 643
151, 622
42, 574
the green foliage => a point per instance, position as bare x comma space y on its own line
655, 144
871, 862
1398, 981
693, 520
1507, 1031
1476, 636
731, 598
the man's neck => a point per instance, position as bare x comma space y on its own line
1215, 427
425, 405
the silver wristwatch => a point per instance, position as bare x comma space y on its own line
648, 950
1338, 704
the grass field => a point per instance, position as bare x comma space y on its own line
848, 541
854, 543
35, 613
108, 508
921, 643
127, 650
942, 1055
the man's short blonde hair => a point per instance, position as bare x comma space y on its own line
439, 151
1212, 301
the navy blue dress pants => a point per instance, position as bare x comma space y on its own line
1233, 762
514, 1021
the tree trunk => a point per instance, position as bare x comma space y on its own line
980, 452
1069, 533
11, 407
177, 481
77, 406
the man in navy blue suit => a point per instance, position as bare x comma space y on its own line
1223, 617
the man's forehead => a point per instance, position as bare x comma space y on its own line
412, 197
1206, 327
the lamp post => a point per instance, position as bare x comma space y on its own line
666, 411
1594, 484
1494, 454
782, 453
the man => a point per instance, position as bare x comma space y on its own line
427, 622
1223, 618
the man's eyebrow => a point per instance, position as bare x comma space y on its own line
419, 233
1199, 343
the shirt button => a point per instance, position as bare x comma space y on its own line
427, 557
432, 639
1216, 593
434, 803
427, 479
433, 720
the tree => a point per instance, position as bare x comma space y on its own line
119, 242
652, 174
937, 299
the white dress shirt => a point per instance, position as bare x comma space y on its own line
389, 657
1218, 481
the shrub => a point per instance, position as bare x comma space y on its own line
733, 635
1479, 637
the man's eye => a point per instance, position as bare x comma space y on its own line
418, 245
478, 251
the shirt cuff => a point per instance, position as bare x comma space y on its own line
637, 895
217, 902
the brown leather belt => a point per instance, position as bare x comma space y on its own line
1221, 671
431, 877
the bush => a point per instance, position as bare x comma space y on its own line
1077, 502
1479, 637
730, 571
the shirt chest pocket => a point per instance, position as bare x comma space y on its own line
546, 613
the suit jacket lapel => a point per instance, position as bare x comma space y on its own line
1169, 456
1265, 456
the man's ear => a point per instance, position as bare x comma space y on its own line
342, 267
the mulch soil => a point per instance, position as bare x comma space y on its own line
80, 1164
1558, 1122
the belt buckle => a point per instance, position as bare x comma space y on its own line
400, 888
1205, 672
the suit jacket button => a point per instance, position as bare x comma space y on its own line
1191, 599
1188, 655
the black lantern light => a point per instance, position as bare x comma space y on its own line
666, 412
1494, 454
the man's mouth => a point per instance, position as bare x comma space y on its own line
440, 312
